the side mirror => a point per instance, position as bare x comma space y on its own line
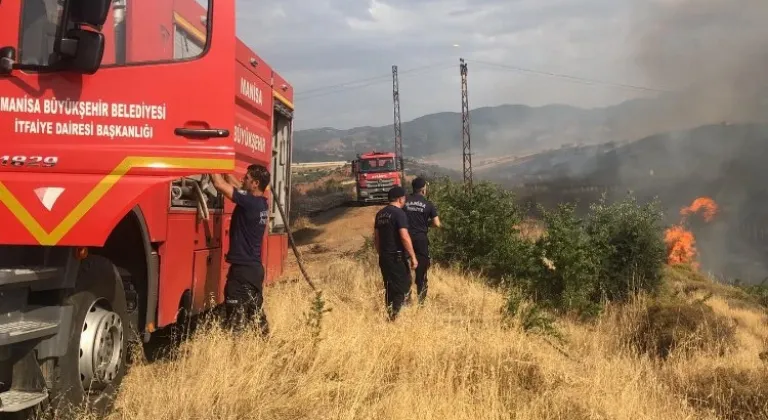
79, 50
83, 51
89, 12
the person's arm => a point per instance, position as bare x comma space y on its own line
233, 181
224, 187
402, 227
433, 215
376, 240
406, 238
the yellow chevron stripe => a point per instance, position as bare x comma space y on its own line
101, 189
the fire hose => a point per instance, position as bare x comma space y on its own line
197, 190
194, 186
296, 252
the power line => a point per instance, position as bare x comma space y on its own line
370, 81
353, 85
341, 85
342, 90
570, 77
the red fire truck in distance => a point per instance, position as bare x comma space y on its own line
375, 173
113, 115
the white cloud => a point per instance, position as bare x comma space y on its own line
326, 42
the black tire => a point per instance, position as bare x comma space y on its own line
98, 282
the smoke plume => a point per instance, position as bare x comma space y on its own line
712, 58
712, 53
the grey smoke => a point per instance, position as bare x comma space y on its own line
713, 54
713, 51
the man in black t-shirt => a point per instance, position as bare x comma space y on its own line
421, 212
243, 291
392, 241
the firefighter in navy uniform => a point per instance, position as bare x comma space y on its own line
243, 291
396, 256
421, 213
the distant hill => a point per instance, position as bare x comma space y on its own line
719, 154
505, 130
416, 168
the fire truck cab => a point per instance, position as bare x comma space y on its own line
375, 174
113, 115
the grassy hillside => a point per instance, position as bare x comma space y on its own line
457, 358
696, 349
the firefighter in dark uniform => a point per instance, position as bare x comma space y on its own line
243, 291
396, 256
421, 213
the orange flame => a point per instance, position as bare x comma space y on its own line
706, 203
681, 245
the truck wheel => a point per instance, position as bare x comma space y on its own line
95, 362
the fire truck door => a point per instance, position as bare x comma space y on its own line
164, 90
160, 107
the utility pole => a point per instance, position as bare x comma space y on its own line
466, 149
398, 130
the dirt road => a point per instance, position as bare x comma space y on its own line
335, 233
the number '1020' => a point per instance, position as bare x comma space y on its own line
28, 161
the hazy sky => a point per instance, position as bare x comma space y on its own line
321, 43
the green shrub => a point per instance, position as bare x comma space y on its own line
612, 253
758, 292
570, 272
480, 230
630, 240
615, 252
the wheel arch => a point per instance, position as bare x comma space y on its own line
129, 247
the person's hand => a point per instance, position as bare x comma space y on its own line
414, 263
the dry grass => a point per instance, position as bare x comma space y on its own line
452, 359
682, 327
301, 222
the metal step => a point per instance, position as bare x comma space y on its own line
18, 331
26, 274
16, 327
13, 401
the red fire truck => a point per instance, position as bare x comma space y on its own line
375, 173
113, 115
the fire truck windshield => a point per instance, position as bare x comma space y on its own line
377, 165
39, 21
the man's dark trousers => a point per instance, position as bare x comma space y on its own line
397, 281
244, 296
421, 248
